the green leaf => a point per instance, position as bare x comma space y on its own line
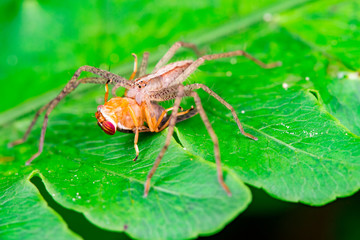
101, 181
336, 37
304, 113
23, 212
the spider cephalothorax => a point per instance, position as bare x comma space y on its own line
139, 111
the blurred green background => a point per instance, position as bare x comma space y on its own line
44, 42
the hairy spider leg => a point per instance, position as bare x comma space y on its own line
66, 90
172, 50
144, 63
168, 138
43, 108
69, 87
189, 89
189, 70
214, 139
24, 138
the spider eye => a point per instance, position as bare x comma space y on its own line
107, 127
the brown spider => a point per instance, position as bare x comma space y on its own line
140, 103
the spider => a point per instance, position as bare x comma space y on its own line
139, 111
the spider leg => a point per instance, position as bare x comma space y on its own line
169, 92
170, 53
69, 87
168, 138
24, 138
113, 90
191, 87
144, 63
214, 139
66, 90
43, 108
188, 71
114, 79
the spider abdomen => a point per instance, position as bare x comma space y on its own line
161, 79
